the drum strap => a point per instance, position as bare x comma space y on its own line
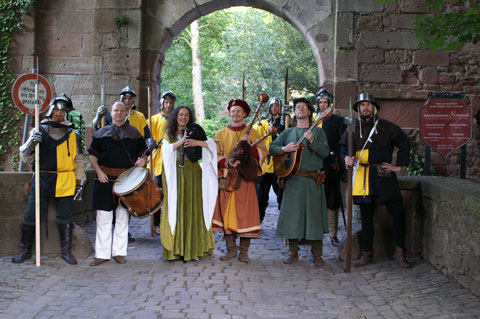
123, 145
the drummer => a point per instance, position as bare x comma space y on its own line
114, 149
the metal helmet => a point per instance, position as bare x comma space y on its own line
324, 93
128, 91
61, 102
167, 95
365, 97
69, 102
274, 100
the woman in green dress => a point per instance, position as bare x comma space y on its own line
190, 188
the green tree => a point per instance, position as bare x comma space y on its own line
450, 25
234, 42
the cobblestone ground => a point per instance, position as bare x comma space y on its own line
149, 287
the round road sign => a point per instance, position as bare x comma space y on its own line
23, 93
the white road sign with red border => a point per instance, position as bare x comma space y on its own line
23, 93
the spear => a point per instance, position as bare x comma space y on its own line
102, 93
350, 191
286, 97
37, 175
149, 100
149, 105
286, 101
244, 90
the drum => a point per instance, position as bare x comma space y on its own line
138, 192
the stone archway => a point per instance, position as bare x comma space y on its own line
313, 19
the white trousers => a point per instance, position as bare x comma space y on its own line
104, 248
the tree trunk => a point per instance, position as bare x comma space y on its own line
197, 72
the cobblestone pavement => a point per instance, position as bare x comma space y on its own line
149, 287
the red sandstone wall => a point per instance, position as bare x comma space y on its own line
400, 75
381, 58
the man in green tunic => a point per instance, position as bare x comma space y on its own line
303, 211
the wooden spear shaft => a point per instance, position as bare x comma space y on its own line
350, 194
37, 177
149, 101
149, 105
102, 92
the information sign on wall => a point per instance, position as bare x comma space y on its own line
446, 122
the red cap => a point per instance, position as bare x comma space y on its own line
240, 103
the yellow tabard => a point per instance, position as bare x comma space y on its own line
267, 166
361, 182
158, 128
314, 119
138, 120
66, 182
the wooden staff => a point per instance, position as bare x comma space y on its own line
149, 105
350, 193
149, 100
244, 90
286, 116
102, 93
272, 132
37, 177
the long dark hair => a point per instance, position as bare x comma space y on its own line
172, 125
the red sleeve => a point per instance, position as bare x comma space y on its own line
254, 151
221, 163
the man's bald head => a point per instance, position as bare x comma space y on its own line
119, 113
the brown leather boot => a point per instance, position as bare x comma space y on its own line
244, 244
367, 258
400, 258
292, 257
231, 248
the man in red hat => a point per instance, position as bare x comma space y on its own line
236, 211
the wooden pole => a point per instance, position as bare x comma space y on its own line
350, 194
37, 177
149, 104
149, 101
103, 94
244, 90
287, 100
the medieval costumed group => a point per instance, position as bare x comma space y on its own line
218, 185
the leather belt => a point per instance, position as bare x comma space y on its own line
115, 172
318, 176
